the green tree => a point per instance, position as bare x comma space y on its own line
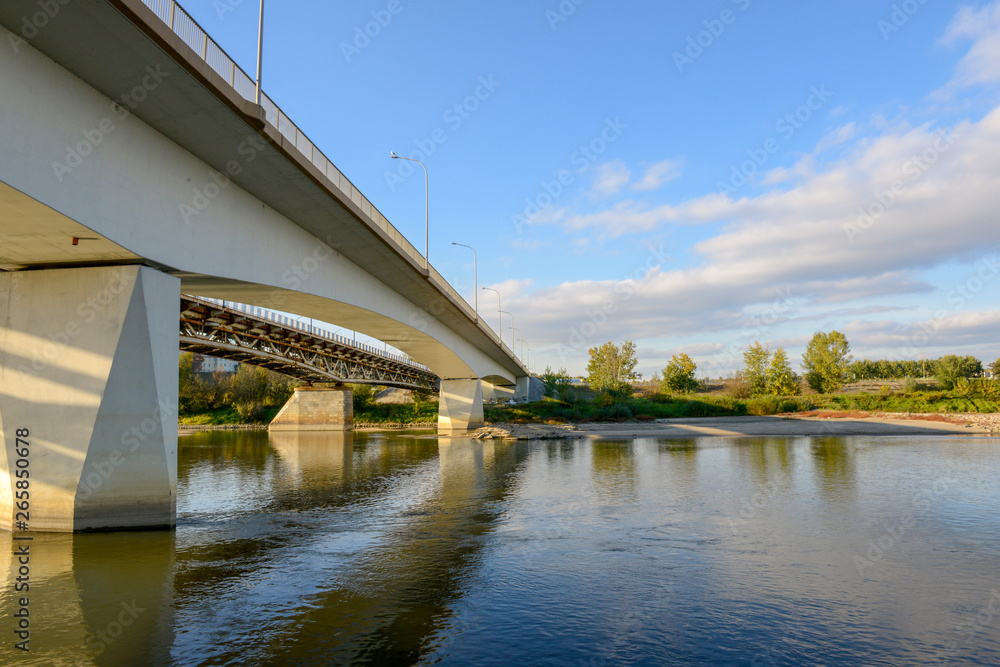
679, 374
554, 381
995, 369
952, 367
781, 380
755, 362
612, 368
826, 360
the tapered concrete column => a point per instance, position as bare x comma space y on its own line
523, 388
461, 406
316, 409
88, 378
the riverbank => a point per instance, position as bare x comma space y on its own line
813, 423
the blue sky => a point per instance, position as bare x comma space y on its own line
694, 176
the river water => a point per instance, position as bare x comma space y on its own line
383, 549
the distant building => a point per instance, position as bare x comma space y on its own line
213, 365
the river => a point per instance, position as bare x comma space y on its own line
397, 548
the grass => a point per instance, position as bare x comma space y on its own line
370, 414
410, 413
643, 409
935, 401
589, 408
226, 415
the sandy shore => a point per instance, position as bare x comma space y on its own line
803, 424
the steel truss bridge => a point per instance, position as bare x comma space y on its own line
279, 343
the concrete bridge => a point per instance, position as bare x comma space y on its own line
135, 167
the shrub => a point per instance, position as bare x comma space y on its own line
364, 396
739, 388
763, 405
616, 412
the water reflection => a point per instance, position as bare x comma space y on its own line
103, 599
386, 549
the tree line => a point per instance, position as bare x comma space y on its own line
827, 365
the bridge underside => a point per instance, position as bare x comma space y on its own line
96, 245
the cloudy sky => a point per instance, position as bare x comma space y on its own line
693, 176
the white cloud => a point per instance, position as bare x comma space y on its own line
658, 174
839, 136
981, 65
944, 211
611, 177
847, 233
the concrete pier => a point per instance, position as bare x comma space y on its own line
88, 390
317, 409
461, 406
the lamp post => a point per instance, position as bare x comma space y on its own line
426, 207
260, 49
499, 306
520, 337
475, 271
529, 360
511, 330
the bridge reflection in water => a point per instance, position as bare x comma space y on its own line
334, 544
377, 548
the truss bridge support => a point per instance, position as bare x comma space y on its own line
317, 409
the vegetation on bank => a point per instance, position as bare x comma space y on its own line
367, 411
252, 395
766, 385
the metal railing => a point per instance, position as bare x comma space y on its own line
185, 27
319, 332
192, 34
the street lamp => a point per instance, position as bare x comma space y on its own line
511, 330
475, 271
499, 306
427, 204
260, 49
520, 337
529, 360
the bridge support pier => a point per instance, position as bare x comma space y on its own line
316, 409
461, 406
88, 399
523, 388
